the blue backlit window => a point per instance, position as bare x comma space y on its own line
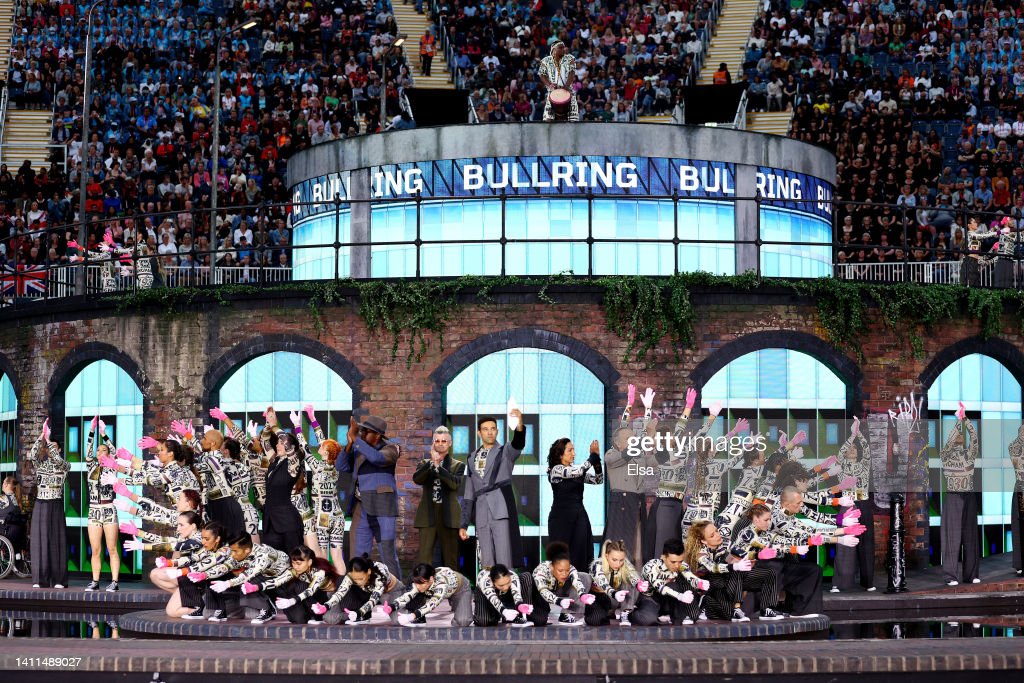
795, 260
101, 388
318, 263
990, 392
558, 397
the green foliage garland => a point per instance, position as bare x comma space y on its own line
643, 310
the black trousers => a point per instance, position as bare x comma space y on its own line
436, 534
1016, 529
15, 533
960, 530
228, 512
802, 582
49, 543
627, 520
764, 580
283, 539
726, 590
600, 612
229, 600
664, 522
191, 594
301, 611
484, 613
862, 557
571, 525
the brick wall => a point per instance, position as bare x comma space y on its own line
178, 359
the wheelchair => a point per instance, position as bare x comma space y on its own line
12, 562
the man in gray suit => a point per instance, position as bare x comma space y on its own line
487, 503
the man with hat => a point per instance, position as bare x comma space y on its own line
373, 493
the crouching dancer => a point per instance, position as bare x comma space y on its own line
429, 587
614, 583
309, 581
559, 588
366, 585
667, 586
503, 597
260, 562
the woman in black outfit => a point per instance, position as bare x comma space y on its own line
568, 521
282, 524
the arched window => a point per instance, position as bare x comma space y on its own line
559, 397
782, 390
287, 381
100, 388
993, 400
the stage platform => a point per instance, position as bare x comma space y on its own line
438, 629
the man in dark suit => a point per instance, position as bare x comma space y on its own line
373, 493
439, 512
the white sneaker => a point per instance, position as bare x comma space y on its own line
952, 583
703, 616
664, 619
35, 585
687, 621
871, 590
58, 585
833, 590
975, 580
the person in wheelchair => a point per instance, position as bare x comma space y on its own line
12, 519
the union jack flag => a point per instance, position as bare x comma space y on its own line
23, 280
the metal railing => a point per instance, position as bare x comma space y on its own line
591, 244
921, 272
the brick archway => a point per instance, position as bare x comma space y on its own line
998, 349
531, 338
826, 354
220, 369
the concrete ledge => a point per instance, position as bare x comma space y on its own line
158, 623
75, 599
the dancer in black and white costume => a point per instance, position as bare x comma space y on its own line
503, 597
614, 585
559, 588
668, 589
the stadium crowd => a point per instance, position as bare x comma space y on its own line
308, 73
921, 103
919, 100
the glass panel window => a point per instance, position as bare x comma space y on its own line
993, 400
781, 390
102, 389
559, 398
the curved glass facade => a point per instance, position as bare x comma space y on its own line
795, 260
559, 398
549, 235
317, 262
544, 215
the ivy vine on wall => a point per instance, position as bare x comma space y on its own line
645, 311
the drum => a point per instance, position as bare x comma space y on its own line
559, 99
